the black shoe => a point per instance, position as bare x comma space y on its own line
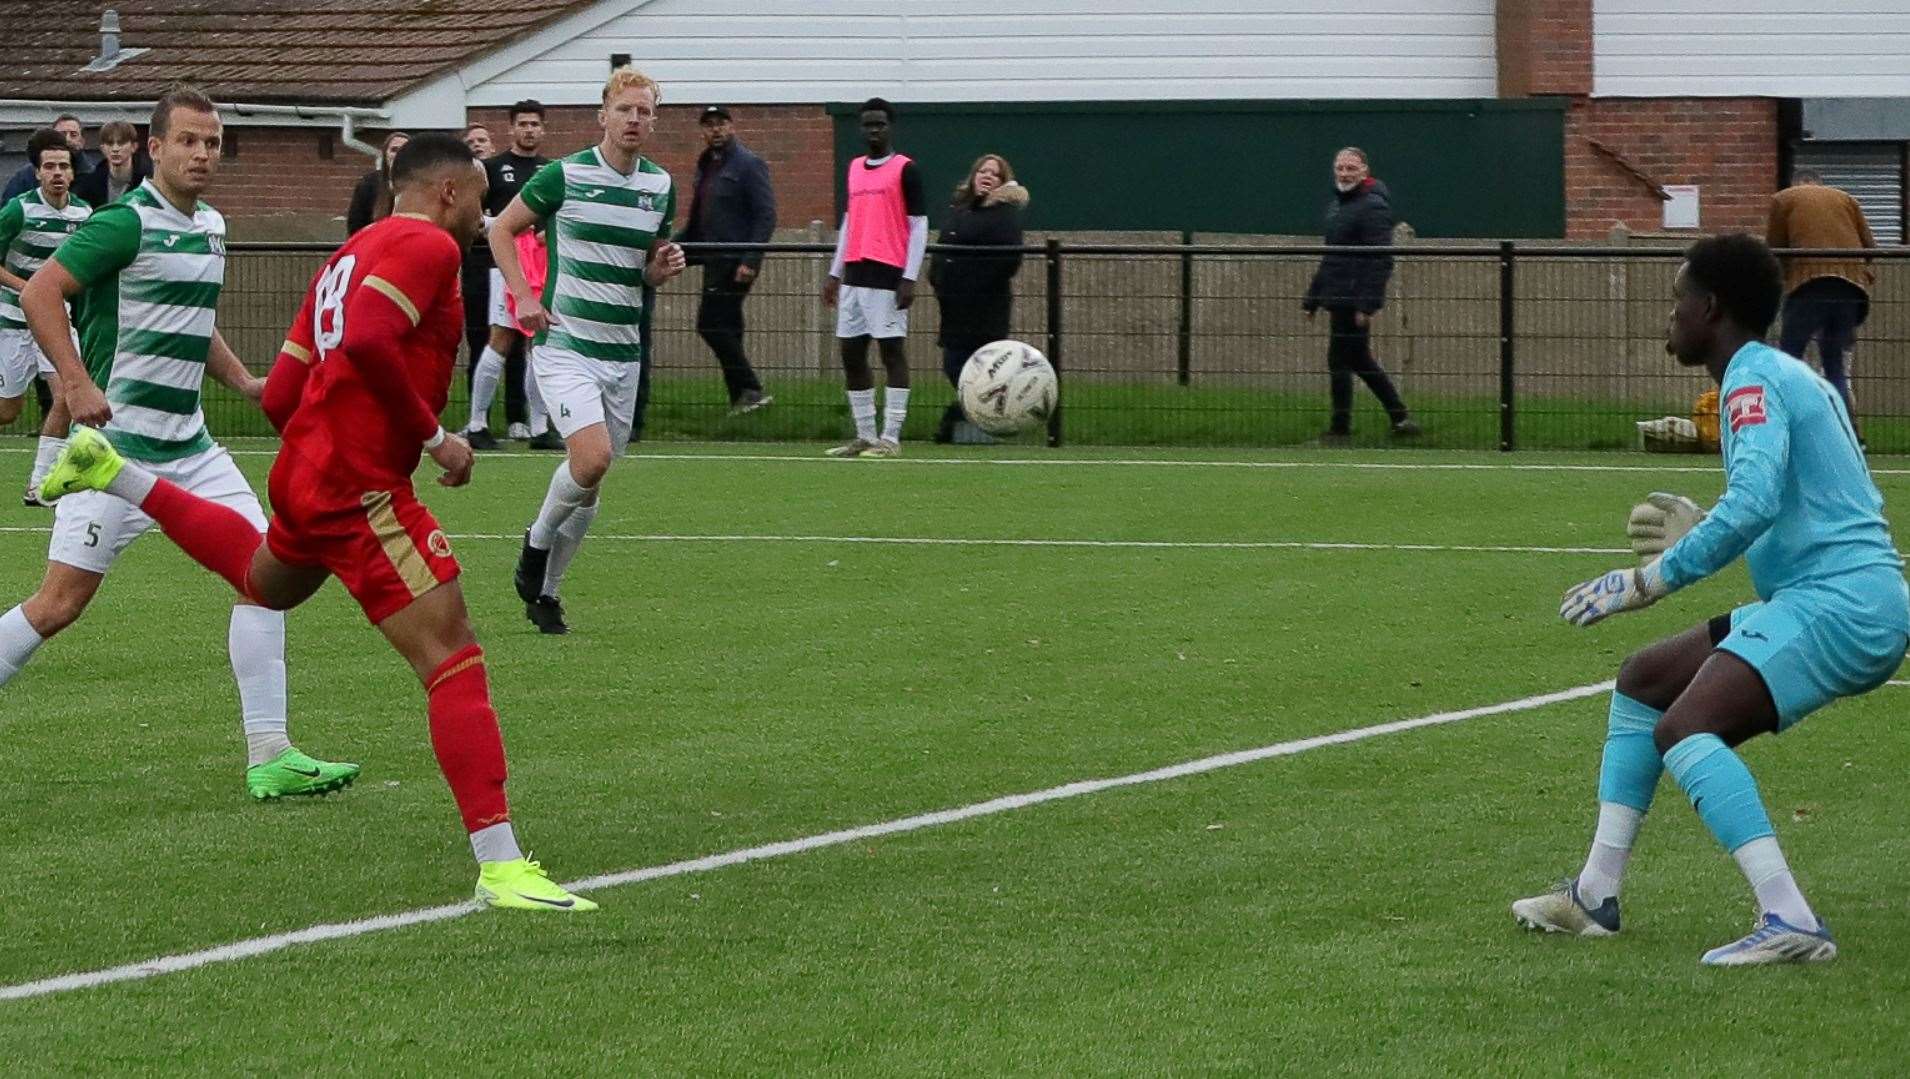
481, 438
1406, 428
549, 440
547, 615
1331, 437
529, 578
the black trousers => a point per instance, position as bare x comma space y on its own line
954, 358
719, 321
1829, 309
1349, 352
476, 283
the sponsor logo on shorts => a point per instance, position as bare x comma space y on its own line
1745, 407
439, 543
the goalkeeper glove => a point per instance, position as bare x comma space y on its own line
1616, 592
1660, 521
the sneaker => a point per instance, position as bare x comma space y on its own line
1562, 911
518, 432
750, 401
1334, 438
31, 496
521, 884
1775, 940
88, 463
292, 774
1407, 428
851, 448
884, 447
547, 615
549, 440
481, 438
529, 577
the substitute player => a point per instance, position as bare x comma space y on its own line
31, 226
357, 389
607, 212
872, 281
1831, 621
144, 276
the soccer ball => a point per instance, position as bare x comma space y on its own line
1007, 387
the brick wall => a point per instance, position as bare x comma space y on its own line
288, 171
1727, 146
797, 141
1544, 47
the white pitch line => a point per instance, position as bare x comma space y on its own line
246, 949
964, 541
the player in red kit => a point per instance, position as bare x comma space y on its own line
356, 392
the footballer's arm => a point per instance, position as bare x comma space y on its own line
224, 365
517, 218
43, 302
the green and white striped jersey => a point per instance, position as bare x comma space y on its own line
599, 224
152, 275
29, 231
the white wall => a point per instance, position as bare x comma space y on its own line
775, 51
1751, 48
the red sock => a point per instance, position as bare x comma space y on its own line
464, 734
217, 537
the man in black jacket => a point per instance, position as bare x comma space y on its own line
732, 203
1352, 288
124, 166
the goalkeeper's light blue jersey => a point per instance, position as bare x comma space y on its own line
1798, 502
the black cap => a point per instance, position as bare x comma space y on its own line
713, 110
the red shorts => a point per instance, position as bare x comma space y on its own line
383, 546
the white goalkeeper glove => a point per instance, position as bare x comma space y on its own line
1660, 521
1621, 590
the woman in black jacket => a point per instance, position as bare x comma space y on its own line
975, 290
371, 199
1352, 288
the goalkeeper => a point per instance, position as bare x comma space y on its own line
1831, 620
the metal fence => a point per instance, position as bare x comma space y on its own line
1203, 342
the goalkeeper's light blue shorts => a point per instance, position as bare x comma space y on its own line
1809, 654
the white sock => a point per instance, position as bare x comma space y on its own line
1763, 864
495, 843
1611, 848
18, 641
484, 379
43, 458
560, 501
133, 483
534, 401
862, 407
895, 409
255, 641
570, 536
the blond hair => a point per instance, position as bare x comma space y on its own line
966, 189
626, 78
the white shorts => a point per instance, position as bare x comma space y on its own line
579, 391
20, 360
869, 312
501, 311
91, 528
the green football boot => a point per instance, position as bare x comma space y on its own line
521, 884
88, 463
292, 774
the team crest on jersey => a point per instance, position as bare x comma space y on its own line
439, 543
1745, 407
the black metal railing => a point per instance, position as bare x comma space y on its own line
1203, 342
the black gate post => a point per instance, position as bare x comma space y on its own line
1508, 436
1053, 257
1185, 368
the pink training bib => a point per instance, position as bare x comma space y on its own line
878, 229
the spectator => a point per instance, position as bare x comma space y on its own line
975, 290
371, 199
123, 167
1824, 298
503, 359
732, 203
26, 179
478, 138
1352, 288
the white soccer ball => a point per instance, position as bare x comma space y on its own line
1007, 387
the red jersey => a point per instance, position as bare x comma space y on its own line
366, 367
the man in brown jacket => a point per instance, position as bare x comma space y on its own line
1824, 298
